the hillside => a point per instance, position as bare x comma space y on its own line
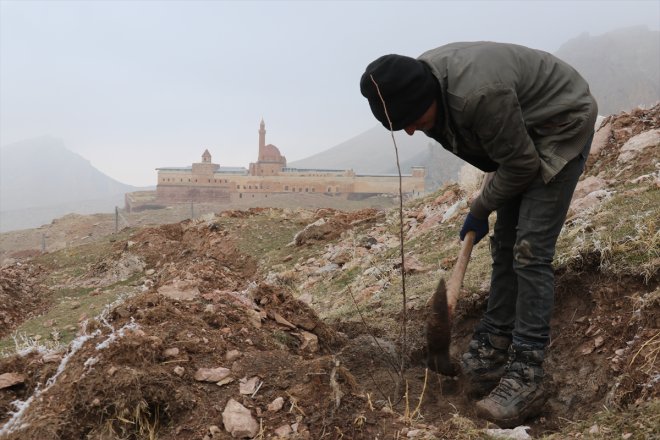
623, 70
41, 179
286, 323
622, 67
369, 152
372, 152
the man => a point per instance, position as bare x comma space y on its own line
529, 118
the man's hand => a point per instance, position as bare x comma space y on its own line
479, 226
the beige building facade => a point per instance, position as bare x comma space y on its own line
209, 182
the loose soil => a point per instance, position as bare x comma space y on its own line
260, 291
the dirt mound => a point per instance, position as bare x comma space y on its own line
135, 376
21, 295
330, 224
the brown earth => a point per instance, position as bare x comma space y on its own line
236, 290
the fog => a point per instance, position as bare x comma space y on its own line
132, 86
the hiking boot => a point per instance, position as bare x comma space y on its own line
484, 363
519, 394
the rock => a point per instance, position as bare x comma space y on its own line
600, 139
276, 405
413, 265
517, 433
341, 256
588, 185
52, 358
123, 312
283, 431
179, 370
454, 210
149, 272
595, 429
636, 144
254, 317
306, 298
179, 291
212, 374
444, 197
238, 420
112, 371
592, 199
248, 386
171, 352
10, 379
309, 342
331, 267
598, 342
280, 320
232, 355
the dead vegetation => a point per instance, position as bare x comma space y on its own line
230, 326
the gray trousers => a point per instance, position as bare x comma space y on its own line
523, 246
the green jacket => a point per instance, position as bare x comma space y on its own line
512, 109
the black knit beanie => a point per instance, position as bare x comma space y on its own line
407, 85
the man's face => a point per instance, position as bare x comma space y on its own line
425, 122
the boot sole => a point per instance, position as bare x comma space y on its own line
532, 410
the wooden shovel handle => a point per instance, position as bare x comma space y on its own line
457, 275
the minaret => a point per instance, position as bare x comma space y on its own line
262, 138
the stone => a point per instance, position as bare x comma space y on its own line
517, 433
248, 386
588, 185
212, 374
232, 355
179, 370
306, 298
309, 342
52, 358
10, 379
276, 405
281, 320
171, 352
600, 139
254, 317
238, 420
636, 144
413, 265
283, 431
179, 291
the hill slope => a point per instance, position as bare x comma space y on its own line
41, 179
622, 67
210, 322
369, 152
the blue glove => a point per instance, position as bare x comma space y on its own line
479, 226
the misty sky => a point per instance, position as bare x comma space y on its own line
135, 85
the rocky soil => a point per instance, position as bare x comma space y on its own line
289, 323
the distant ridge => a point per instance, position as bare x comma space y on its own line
369, 152
621, 66
623, 70
40, 179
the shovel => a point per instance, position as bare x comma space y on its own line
443, 303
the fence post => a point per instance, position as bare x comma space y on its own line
116, 219
43, 242
192, 210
